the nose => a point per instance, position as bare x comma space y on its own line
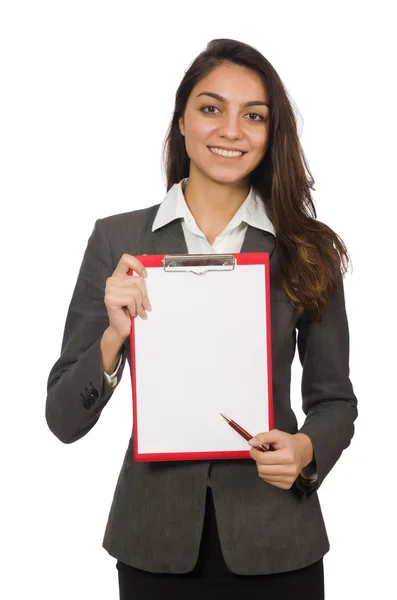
230, 127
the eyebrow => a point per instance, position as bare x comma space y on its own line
222, 99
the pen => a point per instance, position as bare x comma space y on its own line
244, 433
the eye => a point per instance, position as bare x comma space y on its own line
256, 115
203, 109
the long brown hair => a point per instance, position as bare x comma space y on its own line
311, 255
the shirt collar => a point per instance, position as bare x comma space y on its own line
174, 206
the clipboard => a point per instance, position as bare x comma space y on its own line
204, 350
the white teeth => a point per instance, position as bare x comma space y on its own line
227, 153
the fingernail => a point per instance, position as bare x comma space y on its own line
147, 305
143, 315
254, 441
144, 272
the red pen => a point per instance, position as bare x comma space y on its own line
245, 434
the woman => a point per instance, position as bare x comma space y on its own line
236, 182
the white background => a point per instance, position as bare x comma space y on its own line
87, 94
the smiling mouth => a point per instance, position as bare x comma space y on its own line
228, 154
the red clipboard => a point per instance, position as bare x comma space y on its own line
156, 266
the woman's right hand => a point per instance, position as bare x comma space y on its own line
126, 295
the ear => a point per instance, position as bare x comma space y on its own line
181, 125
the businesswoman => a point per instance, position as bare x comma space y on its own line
237, 181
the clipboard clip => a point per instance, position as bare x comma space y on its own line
199, 264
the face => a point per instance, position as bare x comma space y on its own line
225, 121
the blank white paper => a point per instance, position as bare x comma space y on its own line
202, 352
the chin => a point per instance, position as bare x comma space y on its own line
226, 177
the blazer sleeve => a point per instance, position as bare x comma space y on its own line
328, 400
77, 390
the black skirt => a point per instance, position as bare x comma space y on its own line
212, 578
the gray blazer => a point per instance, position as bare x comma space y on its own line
156, 517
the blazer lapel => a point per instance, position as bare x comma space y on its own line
257, 240
167, 240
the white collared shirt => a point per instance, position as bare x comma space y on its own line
251, 212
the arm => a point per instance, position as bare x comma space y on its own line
328, 400
77, 389
112, 378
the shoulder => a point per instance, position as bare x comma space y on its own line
128, 232
129, 221
125, 226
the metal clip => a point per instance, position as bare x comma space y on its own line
199, 264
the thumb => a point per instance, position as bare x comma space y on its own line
267, 437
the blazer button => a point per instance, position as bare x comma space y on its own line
87, 403
94, 394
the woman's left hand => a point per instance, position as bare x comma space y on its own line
281, 466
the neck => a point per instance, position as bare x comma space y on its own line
214, 204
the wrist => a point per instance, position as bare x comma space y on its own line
113, 337
110, 348
306, 448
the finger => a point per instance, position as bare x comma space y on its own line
273, 479
120, 299
138, 298
127, 262
142, 313
283, 485
145, 299
277, 457
126, 282
139, 282
132, 308
278, 471
275, 436
146, 302
281, 470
